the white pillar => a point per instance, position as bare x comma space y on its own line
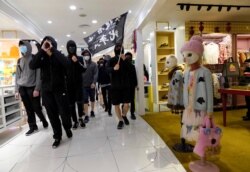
140, 100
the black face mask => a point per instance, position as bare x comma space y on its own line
118, 51
72, 50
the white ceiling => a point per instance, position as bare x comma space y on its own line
31, 16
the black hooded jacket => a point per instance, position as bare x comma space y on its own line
53, 68
74, 78
103, 75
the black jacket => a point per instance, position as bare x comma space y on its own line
120, 78
103, 75
75, 70
133, 76
53, 68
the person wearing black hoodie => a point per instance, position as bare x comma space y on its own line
28, 85
54, 65
74, 80
119, 68
133, 84
105, 84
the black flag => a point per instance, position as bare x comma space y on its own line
108, 35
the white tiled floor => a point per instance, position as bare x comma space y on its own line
98, 148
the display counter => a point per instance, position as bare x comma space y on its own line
10, 108
238, 90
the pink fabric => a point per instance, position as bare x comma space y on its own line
194, 45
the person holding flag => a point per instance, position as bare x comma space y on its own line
119, 69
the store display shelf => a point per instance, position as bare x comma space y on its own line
11, 112
13, 120
166, 48
163, 74
12, 103
163, 90
8, 95
163, 102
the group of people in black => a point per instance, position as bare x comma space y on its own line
65, 82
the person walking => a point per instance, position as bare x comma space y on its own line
74, 84
120, 84
105, 84
133, 84
28, 85
89, 79
53, 65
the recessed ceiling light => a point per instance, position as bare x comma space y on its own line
49, 21
72, 7
68, 35
94, 21
84, 33
41, 39
129, 11
62, 46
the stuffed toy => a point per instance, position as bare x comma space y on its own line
175, 92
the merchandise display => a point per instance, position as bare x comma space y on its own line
197, 98
164, 47
10, 109
9, 53
217, 48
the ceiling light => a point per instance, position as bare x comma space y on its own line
199, 7
209, 8
220, 8
94, 21
49, 21
187, 7
181, 6
62, 46
68, 35
72, 7
84, 33
228, 8
129, 11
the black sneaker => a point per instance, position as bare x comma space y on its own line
69, 133
75, 126
56, 143
86, 119
92, 114
45, 124
31, 131
126, 121
133, 116
110, 114
120, 125
82, 124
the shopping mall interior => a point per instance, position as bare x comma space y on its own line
181, 50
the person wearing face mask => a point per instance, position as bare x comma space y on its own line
89, 79
28, 85
74, 84
104, 82
54, 66
133, 84
197, 90
119, 69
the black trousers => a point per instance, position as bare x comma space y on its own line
56, 105
247, 98
132, 100
106, 94
32, 105
75, 99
